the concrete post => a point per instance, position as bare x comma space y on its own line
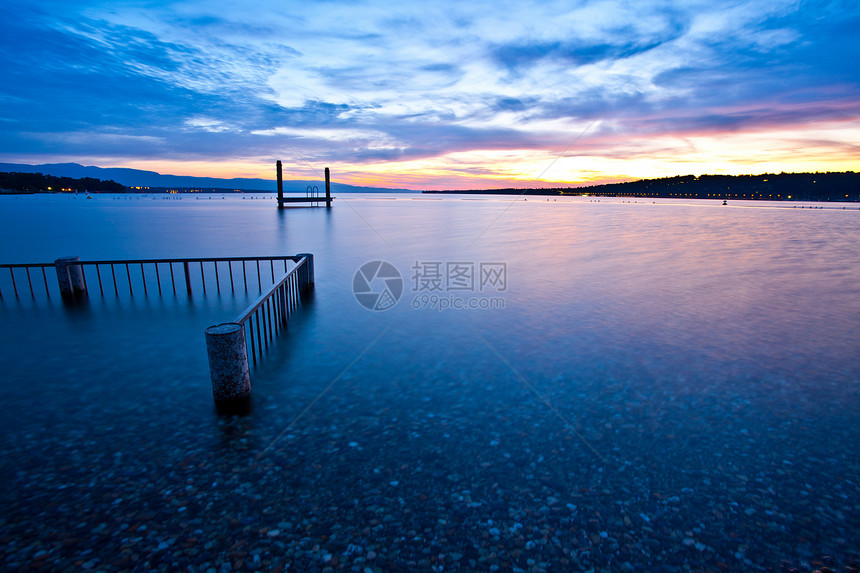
310, 267
70, 278
228, 362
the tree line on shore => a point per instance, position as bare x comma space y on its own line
831, 186
39, 183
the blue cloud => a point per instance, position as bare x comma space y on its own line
92, 77
515, 56
615, 42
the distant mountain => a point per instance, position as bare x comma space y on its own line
141, 178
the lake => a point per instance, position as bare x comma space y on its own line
564, 384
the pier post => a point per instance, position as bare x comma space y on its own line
228, 364
327, 189
70, 277
280, 173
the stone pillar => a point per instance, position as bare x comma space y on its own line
70, 278
228, 362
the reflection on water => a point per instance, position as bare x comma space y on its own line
669, 386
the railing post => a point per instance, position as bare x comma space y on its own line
187, 276
228, 364
309, 263
70, 277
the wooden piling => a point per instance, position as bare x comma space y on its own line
280, 173
327, 189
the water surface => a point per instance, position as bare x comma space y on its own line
668, 386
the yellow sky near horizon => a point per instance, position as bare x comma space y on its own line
765, 151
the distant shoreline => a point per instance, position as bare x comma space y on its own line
835, 187
189, 191
817, 187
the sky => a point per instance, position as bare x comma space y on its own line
451, 94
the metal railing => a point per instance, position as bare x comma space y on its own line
267, 316
27, 267
136, 270
259, 324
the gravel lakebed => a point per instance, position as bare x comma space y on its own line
451, 466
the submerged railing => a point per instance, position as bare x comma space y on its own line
72, 274
267, 316
227, 344
27, 267
260, 323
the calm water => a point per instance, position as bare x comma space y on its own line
659, 387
